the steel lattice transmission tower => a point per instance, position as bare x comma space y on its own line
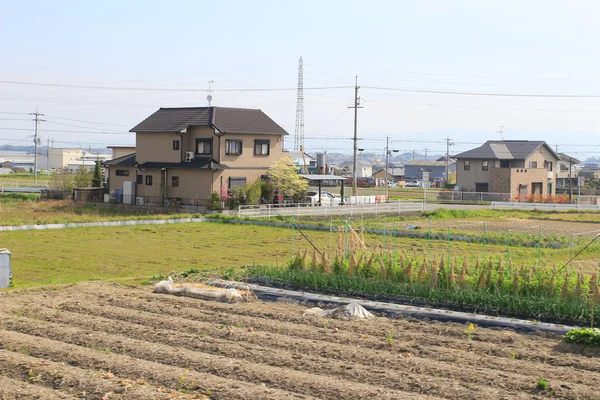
299, 132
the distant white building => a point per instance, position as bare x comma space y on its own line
20, 159
59, 158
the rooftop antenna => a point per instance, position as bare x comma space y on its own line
501, 132
209, 97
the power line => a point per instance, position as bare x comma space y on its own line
59, 85
77, 126
64, 131
458, 93
87, 122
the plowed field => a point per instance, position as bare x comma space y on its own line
105, 341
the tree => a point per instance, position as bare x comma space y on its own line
97, 179
62, 180
285, 178
83, 178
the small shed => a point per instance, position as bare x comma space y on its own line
92, 194
319, 179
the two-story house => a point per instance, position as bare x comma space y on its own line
566, 172
188, 153
517, 167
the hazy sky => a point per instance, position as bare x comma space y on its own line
511, 47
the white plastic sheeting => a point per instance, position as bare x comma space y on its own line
229, 295
349, 311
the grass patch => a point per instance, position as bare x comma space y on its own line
132, 254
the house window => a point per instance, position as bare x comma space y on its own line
532, 164
139, 179
175, 181
175, 144
467, 165
481, 187
484, 166
204, 146
504, 164
564, 168
236, 182
149, 180
122, 172
233, 147
262, 147
548, 165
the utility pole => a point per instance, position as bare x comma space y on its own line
356, 107
387, 153
426, 153
36, 142
48, 155
413, 155
570, 178
448, 144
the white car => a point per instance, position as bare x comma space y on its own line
326, 198
412, 184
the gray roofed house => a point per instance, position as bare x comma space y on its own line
515, 167
190, 153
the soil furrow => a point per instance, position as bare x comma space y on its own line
399, 373
77, 381
13, 389
280, 378
506, 349
435, 373
134, 368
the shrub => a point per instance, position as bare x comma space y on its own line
267, 191
253, 192
214, 202
588, 336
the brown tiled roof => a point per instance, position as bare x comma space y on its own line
123, 161
226, 120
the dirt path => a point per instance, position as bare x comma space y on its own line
99, 338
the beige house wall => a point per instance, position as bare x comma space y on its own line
154, 191
247, 158
527, 176
116, 182
122, 151
251, 175
157, 147
199, 132
193, 184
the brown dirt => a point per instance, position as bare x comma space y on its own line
96, 341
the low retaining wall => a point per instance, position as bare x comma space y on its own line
406, 311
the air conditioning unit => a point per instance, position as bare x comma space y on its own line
189, 156
139, 201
